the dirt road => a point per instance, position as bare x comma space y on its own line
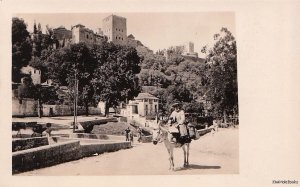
211, 154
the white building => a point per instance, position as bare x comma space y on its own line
142, 109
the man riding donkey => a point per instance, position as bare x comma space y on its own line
179, 132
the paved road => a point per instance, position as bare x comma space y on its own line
211, 154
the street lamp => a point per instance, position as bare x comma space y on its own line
75, 100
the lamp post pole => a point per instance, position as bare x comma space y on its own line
75, 101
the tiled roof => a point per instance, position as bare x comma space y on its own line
145, 96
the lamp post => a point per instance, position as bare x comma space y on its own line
75, 100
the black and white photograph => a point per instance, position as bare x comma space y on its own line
149, 93
95, 94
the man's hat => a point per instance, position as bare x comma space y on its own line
176, 104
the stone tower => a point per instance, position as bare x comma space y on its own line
114, 27
189, 47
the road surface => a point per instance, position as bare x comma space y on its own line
211, 154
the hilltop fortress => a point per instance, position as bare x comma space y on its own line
114, 29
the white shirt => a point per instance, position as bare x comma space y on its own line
179, 116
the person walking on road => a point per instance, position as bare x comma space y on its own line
127, 131
139, 130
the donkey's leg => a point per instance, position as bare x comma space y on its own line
187, 153
172, 159
184, 155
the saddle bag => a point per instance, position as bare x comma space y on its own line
191, 130
183, 130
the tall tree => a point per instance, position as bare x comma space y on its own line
26, 89
63, 64
222, 74
115, 79
21, 48
34, 28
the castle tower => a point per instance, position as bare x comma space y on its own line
114, 27
189, 47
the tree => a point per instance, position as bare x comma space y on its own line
21, 48
222, 74
64, 63
175, 93
26, 89
43, 41
115, 78
193, 107
42, 64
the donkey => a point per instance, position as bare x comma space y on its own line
161, 134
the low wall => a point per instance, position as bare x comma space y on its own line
98, 136
61, 150
94, 111
28, 143
27, 108
146, 139
90, 136
116, 138
65, 110
90, 149
45, 156
204, 131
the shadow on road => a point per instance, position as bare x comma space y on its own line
194, 166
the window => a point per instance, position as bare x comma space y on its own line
116, 37
87, 36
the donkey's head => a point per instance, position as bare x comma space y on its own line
156, 135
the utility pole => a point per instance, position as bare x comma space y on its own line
75, 101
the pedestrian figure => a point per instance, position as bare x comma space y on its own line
139, 130
131, 137
127, 131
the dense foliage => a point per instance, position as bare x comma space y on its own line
114, 73
222, 74
115, 78
21, 48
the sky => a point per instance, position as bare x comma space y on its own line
154, 30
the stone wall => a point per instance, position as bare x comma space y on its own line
147, 139
45, 156
90, 149
28, 143
62, 150
27, 108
